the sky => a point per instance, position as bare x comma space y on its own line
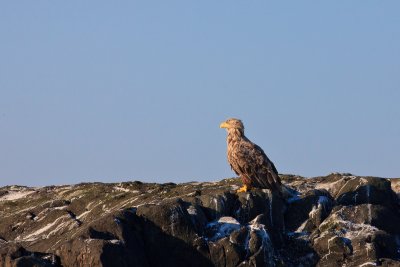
113, 91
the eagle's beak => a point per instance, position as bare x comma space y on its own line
224, 125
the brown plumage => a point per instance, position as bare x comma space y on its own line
248, 160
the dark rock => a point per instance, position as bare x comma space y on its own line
16, 255
220, 228
378, 216
337, 220
170, 223
225, 253
172, 217
365, 190
307, 213
239, 236
362, 238
262, 202
3, 192
218, 205
298, 251
197, 217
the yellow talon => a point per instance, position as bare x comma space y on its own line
242, 189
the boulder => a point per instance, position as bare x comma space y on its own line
352, 236
305, 213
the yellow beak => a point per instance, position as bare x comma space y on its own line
224, 125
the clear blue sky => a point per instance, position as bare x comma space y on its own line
135, 90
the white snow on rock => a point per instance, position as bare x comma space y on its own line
14, 195
115, 241
228, 219
234, 187
333, 186
358, 228
322, 202
35, 234
368, 264
192, 210
223, 227
301, 228
83, 215
267, 247
118, 188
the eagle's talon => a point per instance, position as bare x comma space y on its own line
242, 189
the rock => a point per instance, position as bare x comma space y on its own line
352, 190
16, 255
170, 223
225, 253
352, 235
260, 246
307, 213
217, 205
116, 240
336, 220
220, 228
262, 202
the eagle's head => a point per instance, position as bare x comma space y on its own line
232, 123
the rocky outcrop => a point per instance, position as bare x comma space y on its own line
336, 220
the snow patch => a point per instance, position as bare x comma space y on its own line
228, 219
61, 207
329, 186
268, 249
14, 195
352, 229
219, 205
192, 210
226, 225
223, 227
302, 227
234, 187
322, 202
58, 228
115, 241
118, 188
34, 235
314, 211
83, 214
366, 264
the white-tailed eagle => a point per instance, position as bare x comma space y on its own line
248, 160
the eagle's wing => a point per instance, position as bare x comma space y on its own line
267, 170
252, 162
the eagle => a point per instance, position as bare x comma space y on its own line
248, 160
